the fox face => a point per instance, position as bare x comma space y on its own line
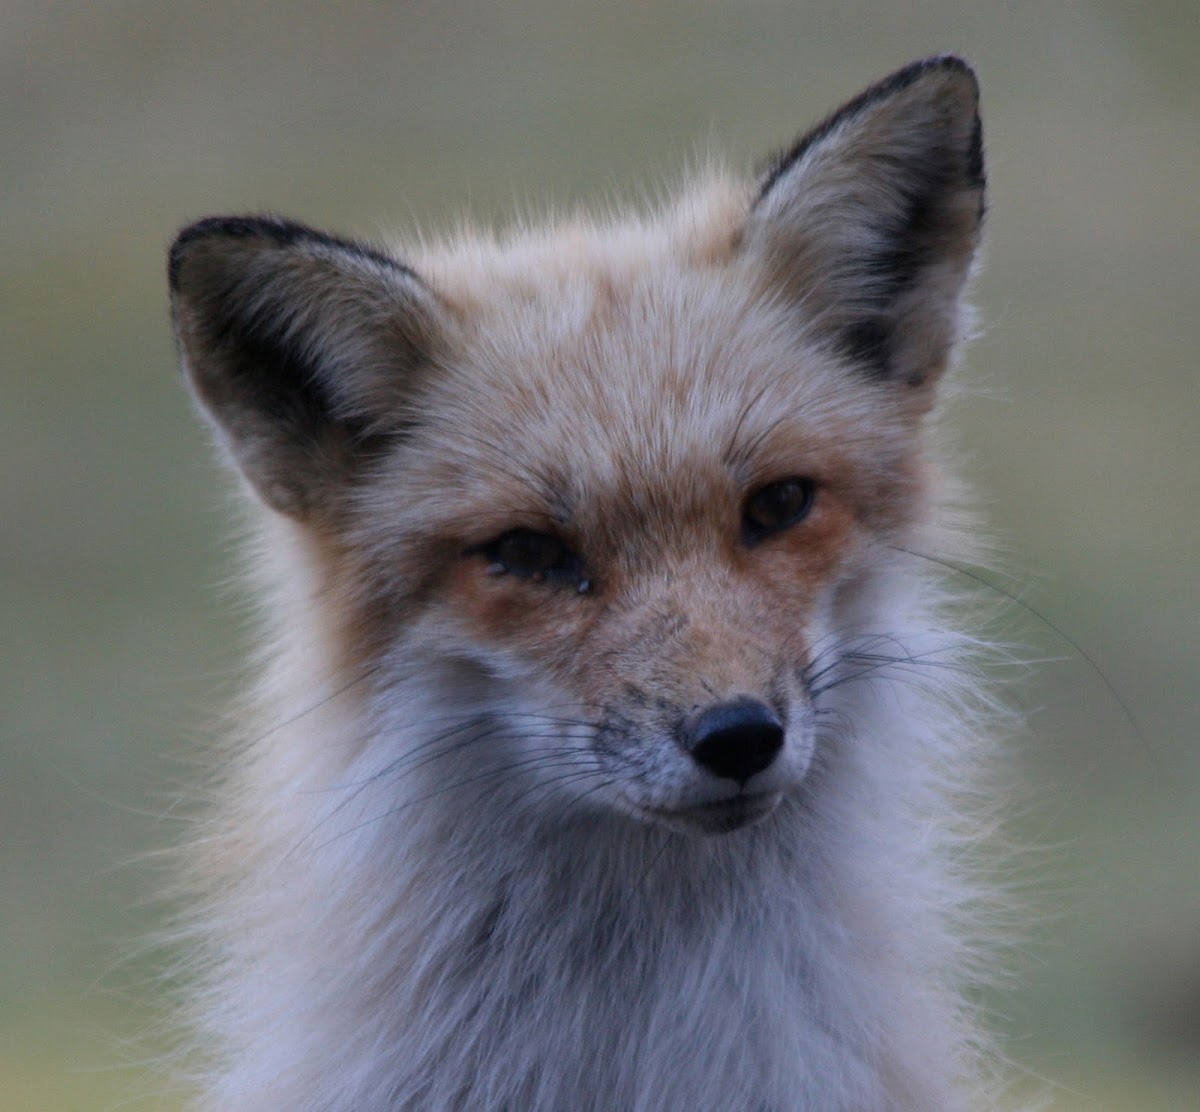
667, 565
597, 510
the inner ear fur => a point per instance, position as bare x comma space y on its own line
301, 348
869, 223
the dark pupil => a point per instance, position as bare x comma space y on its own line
525, 552
778, 505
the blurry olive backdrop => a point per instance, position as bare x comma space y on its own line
119, 121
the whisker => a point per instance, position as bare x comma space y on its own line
538, 760
863, 649
967, 573
653, 862
364, 675
398, 766
878, 663
835, 651
465, 723
581, 773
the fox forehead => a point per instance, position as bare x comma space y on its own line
641, 393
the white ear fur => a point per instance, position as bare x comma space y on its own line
870, 221
300, 347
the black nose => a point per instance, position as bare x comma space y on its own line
736, 739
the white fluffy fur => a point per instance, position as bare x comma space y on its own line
814, 964
401, 917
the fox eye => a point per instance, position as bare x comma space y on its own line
775, 507
529, 554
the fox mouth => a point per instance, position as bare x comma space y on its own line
718, 816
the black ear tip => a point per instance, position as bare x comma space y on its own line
951, 67
276, 229
277, 232
956, 75
954, 63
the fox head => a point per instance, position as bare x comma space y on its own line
618, 491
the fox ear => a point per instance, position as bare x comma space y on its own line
870, 221
301, 348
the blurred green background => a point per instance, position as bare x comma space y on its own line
121, 120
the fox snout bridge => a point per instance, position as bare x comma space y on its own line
735, 739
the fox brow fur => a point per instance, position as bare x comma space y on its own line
419, 885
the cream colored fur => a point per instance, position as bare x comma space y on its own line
463, 857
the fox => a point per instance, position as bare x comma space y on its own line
617, 740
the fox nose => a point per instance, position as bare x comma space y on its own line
735, 739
